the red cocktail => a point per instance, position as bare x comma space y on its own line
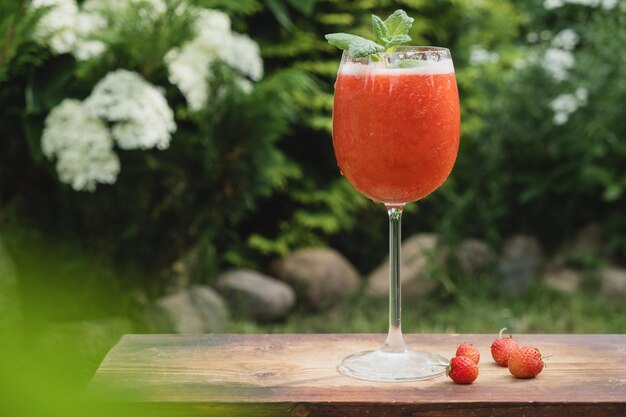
396, 124
396, 131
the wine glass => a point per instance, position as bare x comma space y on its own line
396, 128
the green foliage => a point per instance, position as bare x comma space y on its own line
221, 161
255, 177
17, 22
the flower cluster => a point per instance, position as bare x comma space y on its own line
124, 110
189, 66
566, 104
559, 58
557, 62
78, 136
67, 29
82, 146
140, 113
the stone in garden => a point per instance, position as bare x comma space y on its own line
612, 283
256, 296
474, 256
198, 309
416, 253
321, 277
563, 280
519, 263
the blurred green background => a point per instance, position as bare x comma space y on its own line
247, 175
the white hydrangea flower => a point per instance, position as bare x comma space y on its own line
243, 54
56, 27
479, 56
566, 104
81, 145
66, 29
558, 62
87, 24
140, 113
552, 4
208, 22
188, 70
566, 39
189, 66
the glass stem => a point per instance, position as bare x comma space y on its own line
395, 341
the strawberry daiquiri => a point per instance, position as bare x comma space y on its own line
396, 131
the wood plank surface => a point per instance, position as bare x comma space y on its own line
295, 375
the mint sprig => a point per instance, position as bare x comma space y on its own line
388, 33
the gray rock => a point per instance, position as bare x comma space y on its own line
256, 296
198, 309
563, 280
416, 253
321, 277
612, 283
474, 256
519, 263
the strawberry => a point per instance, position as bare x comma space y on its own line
462, 370
467, 349
525, 362
502, 348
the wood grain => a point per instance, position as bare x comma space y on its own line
295, 375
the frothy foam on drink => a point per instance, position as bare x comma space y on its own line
378, 68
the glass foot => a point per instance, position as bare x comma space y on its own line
380, 365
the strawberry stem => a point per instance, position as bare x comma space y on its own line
501, 331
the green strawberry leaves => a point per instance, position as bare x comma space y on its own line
389, 34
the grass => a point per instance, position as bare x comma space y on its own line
540, 310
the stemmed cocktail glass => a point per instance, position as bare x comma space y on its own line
396, 124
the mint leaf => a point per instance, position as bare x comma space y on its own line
389, 34
397, 40
379, 29
399, 23
341, 40
412, 63
364, 47
357, 46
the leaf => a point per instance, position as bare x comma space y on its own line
379, 29
397, 40
364, 47
280, 12
305, 7
357, 46
399, 23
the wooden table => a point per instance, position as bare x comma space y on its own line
295, 375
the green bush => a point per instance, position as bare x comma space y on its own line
221, 160
253, 175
